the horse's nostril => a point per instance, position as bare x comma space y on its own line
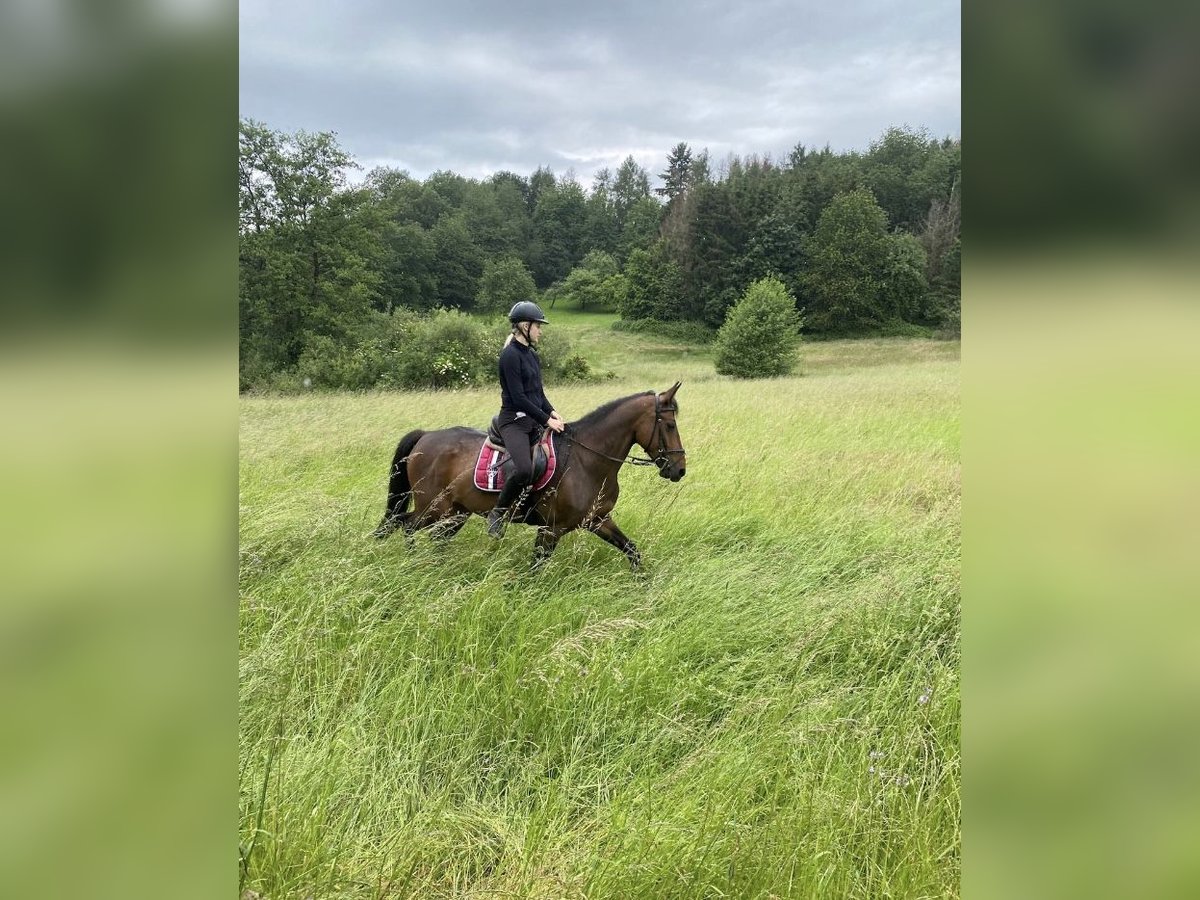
682, 472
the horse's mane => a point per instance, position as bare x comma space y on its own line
600, 413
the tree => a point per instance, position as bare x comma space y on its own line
641, 295
775, 242
515, 227
458, 263
631, 185
451, 187
595, 283
309, 250
540, 181
907, 170
709, 260
504, 283
559, 223
641, 225
758, 339
601, 263
585, 287
700, 170
403, 199
943, 303
602, 228
904, 284
258, 150
858, 275
409, 267
654, 287
678, 177
941, 230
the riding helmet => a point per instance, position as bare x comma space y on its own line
526, 311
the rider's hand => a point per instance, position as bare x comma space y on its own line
555, 423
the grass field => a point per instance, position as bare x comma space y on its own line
770, 710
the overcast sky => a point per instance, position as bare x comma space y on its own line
477, 87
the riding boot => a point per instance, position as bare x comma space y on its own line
499, 514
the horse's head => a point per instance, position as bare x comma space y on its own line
659, 436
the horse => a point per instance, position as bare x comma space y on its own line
433, 470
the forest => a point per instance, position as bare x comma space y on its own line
388, 280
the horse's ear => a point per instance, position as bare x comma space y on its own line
669, 395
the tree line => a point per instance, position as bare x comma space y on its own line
863, 242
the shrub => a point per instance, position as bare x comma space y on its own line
758, 339
447, 349
325, 363
951, 328
575, 368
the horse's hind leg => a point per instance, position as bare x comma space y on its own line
391, 521
446, 528
441, 515
608, 531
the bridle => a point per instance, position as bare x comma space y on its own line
661, 458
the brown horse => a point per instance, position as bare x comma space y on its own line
433, 470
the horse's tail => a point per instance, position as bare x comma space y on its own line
399, 489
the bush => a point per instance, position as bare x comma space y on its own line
560, 364
951, 328
575, 368
588, 290
447, 349
758, 339
324, 363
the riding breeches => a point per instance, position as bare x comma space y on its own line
519, 437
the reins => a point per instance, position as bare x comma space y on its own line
660, 460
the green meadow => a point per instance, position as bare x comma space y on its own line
769, 709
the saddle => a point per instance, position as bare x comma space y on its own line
495, 465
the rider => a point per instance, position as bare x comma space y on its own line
523, 405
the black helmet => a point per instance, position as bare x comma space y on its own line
526, 311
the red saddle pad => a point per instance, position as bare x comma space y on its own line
489, 475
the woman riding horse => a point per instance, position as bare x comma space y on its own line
433, 472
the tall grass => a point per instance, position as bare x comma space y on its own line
771, 710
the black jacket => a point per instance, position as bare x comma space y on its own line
521, 383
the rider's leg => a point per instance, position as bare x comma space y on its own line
516, 442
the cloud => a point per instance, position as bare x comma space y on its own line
478, 87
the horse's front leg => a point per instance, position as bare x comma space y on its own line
546, 541
608, 531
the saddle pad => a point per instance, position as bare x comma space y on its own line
489, 475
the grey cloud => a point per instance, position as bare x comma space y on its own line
476, 87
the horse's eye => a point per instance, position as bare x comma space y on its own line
670, 427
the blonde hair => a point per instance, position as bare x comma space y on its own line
508, 340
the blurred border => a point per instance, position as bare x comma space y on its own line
118, 379
119, 389
1081, 435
